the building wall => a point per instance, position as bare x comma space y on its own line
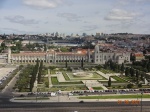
97, 57
102, 57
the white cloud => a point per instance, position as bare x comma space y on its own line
69, 16
21, 20
90, 27
42, 4
118, 14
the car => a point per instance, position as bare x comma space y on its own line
80, 93
22, 95
81, 101
70, 94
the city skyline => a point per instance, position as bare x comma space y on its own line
70, 16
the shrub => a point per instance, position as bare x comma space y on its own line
139, 85
129, 85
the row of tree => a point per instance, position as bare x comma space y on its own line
143, 65
34, 75
138, 75
23, 82
114, 66
40, 72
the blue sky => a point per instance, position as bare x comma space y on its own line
74, 16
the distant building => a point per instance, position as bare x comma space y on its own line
139, 56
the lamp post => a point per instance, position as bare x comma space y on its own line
141, 100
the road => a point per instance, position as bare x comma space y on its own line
72, 106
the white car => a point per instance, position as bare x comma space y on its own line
70, 94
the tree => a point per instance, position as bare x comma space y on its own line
129, 85
132, 72
40, 71
132, 57
122, 67
109, 82
3, 45
127, 72
82, 63
137, 74
139, 85
66, 64
142, 76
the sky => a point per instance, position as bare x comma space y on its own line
74, 16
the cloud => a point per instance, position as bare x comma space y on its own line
90, 27
118, 14
69, 16
21, 20
42, 4
13, 30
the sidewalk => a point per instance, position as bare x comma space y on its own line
75, 99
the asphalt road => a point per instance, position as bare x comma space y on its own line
73, 107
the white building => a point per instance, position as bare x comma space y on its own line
97, 57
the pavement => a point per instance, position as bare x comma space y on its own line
66, 98
5, 71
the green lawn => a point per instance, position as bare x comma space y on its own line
68, 88
96, 75
54, 80
46, 81
106, 71
52, 72
115, 97
118, 79
97, 88
65, 76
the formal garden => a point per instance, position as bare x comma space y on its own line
39, 77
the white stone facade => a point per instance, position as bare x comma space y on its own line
100, 57
96, 57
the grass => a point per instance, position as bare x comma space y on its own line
118, 79
96, 75
52, 71
54, 80
65, 76
105, 71
68, 88
38, 98
46, 81
116, 97
97, 88
117, 87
